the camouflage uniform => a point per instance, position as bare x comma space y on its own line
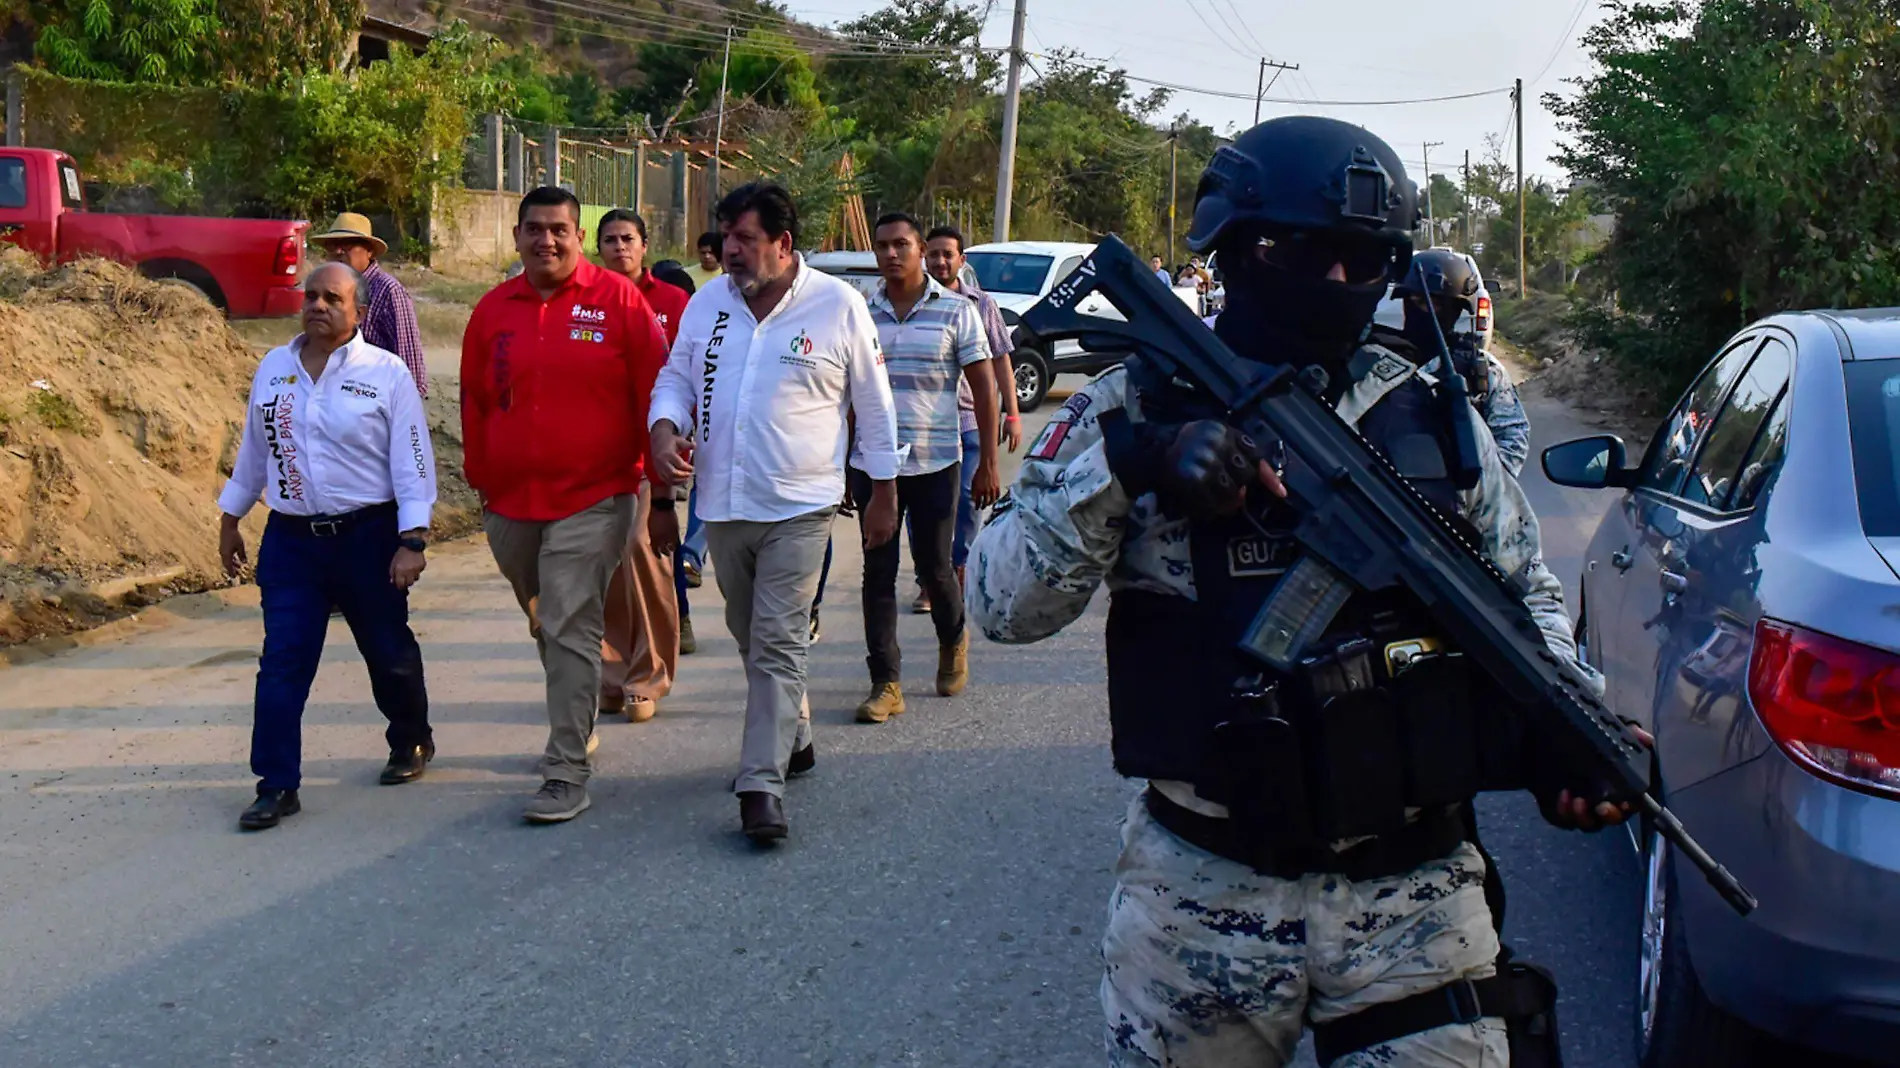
1503, 412
1209, 963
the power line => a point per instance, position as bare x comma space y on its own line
1229, 45
1242, 23
694, 31
1575, 17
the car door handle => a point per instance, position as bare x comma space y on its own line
1672, 582
1621, 559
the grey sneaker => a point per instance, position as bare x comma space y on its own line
556, 802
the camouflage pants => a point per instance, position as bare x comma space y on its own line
1210, 965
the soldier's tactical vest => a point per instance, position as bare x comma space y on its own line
1379, 716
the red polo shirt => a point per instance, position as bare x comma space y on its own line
668, 302
554, 394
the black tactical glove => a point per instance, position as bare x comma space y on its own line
1201, 469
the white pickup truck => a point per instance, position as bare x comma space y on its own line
1020, 273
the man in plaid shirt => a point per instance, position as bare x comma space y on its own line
389, 316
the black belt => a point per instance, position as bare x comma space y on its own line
329, 526
1430, 837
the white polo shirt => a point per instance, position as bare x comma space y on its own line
355, 437
765, 400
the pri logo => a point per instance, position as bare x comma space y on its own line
801, 345
580, 334
589, 315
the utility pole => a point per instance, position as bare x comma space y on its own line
1261, 85
1517, 94
719, 130
1431, 220
1174, 138
1012, 102
1467, 200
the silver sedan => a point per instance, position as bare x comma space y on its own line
1741, 600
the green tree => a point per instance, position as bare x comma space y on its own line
666, 82
169, 42
767, 69
266, 39
1747, 149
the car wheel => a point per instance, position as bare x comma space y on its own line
1032, 378
1676, 1024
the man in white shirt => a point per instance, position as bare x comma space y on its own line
752, 406
336, 443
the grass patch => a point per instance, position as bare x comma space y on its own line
1535, 323
60, 413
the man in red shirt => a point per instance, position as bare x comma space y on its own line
639, 656
557, 367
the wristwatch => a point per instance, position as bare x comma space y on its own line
664, 504
414, 545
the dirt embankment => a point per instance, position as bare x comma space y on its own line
121, 403
1536, 335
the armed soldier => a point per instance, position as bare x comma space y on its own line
1260, 887
1439, 287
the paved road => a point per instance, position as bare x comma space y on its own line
938, 904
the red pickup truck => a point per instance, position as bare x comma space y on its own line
251, 268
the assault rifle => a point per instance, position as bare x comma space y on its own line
1363, 526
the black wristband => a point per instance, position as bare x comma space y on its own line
664, 504
414, 545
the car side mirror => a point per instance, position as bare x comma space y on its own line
1595, 462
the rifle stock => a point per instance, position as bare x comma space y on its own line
1360, 517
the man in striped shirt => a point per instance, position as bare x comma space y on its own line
931, 338
389, 316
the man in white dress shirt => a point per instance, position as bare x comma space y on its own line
337, 445
752, 404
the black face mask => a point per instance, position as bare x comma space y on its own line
1324, 319
1422, 332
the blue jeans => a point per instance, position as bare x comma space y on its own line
966, 505
692, 547
300, 575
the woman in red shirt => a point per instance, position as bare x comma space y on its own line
639, 653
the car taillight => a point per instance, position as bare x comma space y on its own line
288, 252
1484, 314
1832, 704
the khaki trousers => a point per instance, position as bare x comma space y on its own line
768, 574
559, 572
640, 651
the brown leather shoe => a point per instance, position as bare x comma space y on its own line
803, 760
886, 700
762, 817
953, 666
641, 709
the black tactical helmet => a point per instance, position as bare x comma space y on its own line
1440, 272
1311, 174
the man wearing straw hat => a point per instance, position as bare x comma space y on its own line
389, 316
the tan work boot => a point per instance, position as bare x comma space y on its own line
953, 666
885, 701
688, 644
641, 709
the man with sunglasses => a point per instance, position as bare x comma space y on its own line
1304, 852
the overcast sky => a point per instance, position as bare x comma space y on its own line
1358, 50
